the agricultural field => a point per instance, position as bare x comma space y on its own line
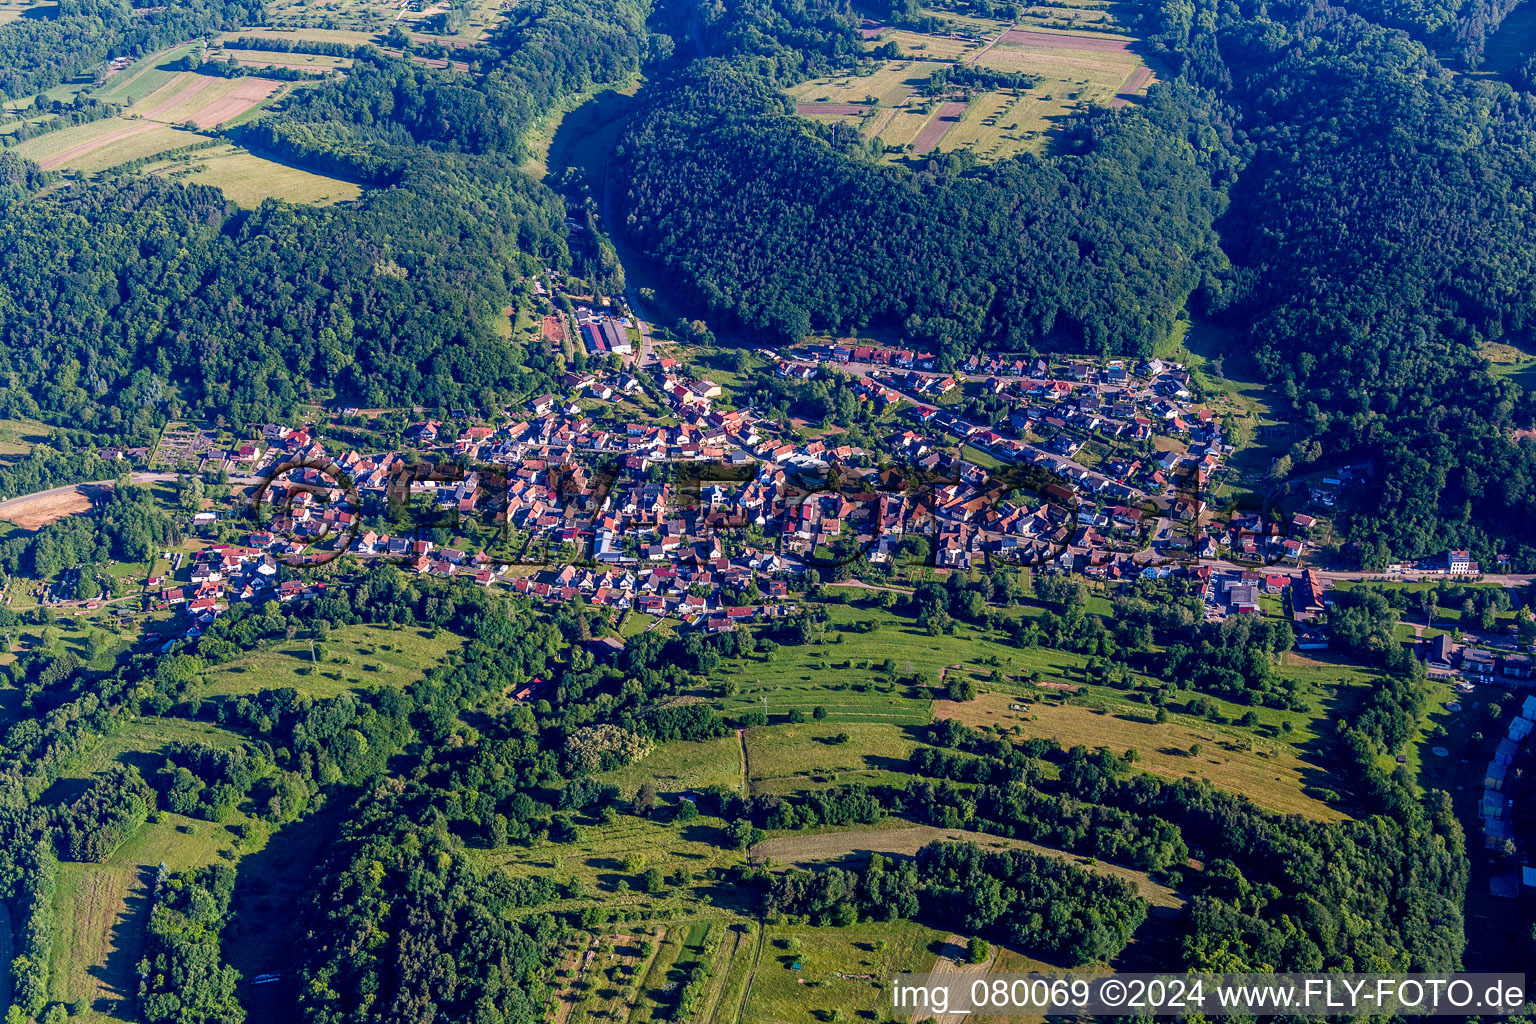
371, 18
156, 126
1075, 69
204, 101
354, 658
1269, 774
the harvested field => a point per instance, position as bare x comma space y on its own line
164, 102
33, 511
248, 93
934, 131
206, 101
828, 847
1066, 41
835, 109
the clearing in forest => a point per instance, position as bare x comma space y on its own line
797, 757
247, 179
1072, 47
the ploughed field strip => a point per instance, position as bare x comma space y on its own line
836, 109
1133, 87
934, 131
1063, 41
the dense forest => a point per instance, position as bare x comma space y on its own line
1096, 249
1377, 245
183, 305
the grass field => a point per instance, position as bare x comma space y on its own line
890, 83
1511, 362
1252, 411
138, 743
846, 675
682, 766
144, 76
351, 37
100, 911
1270, 774
19, 437
103, 144
783, 757
356, 657
596, 859
248, 179
932, 47
301, 61
841, 969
